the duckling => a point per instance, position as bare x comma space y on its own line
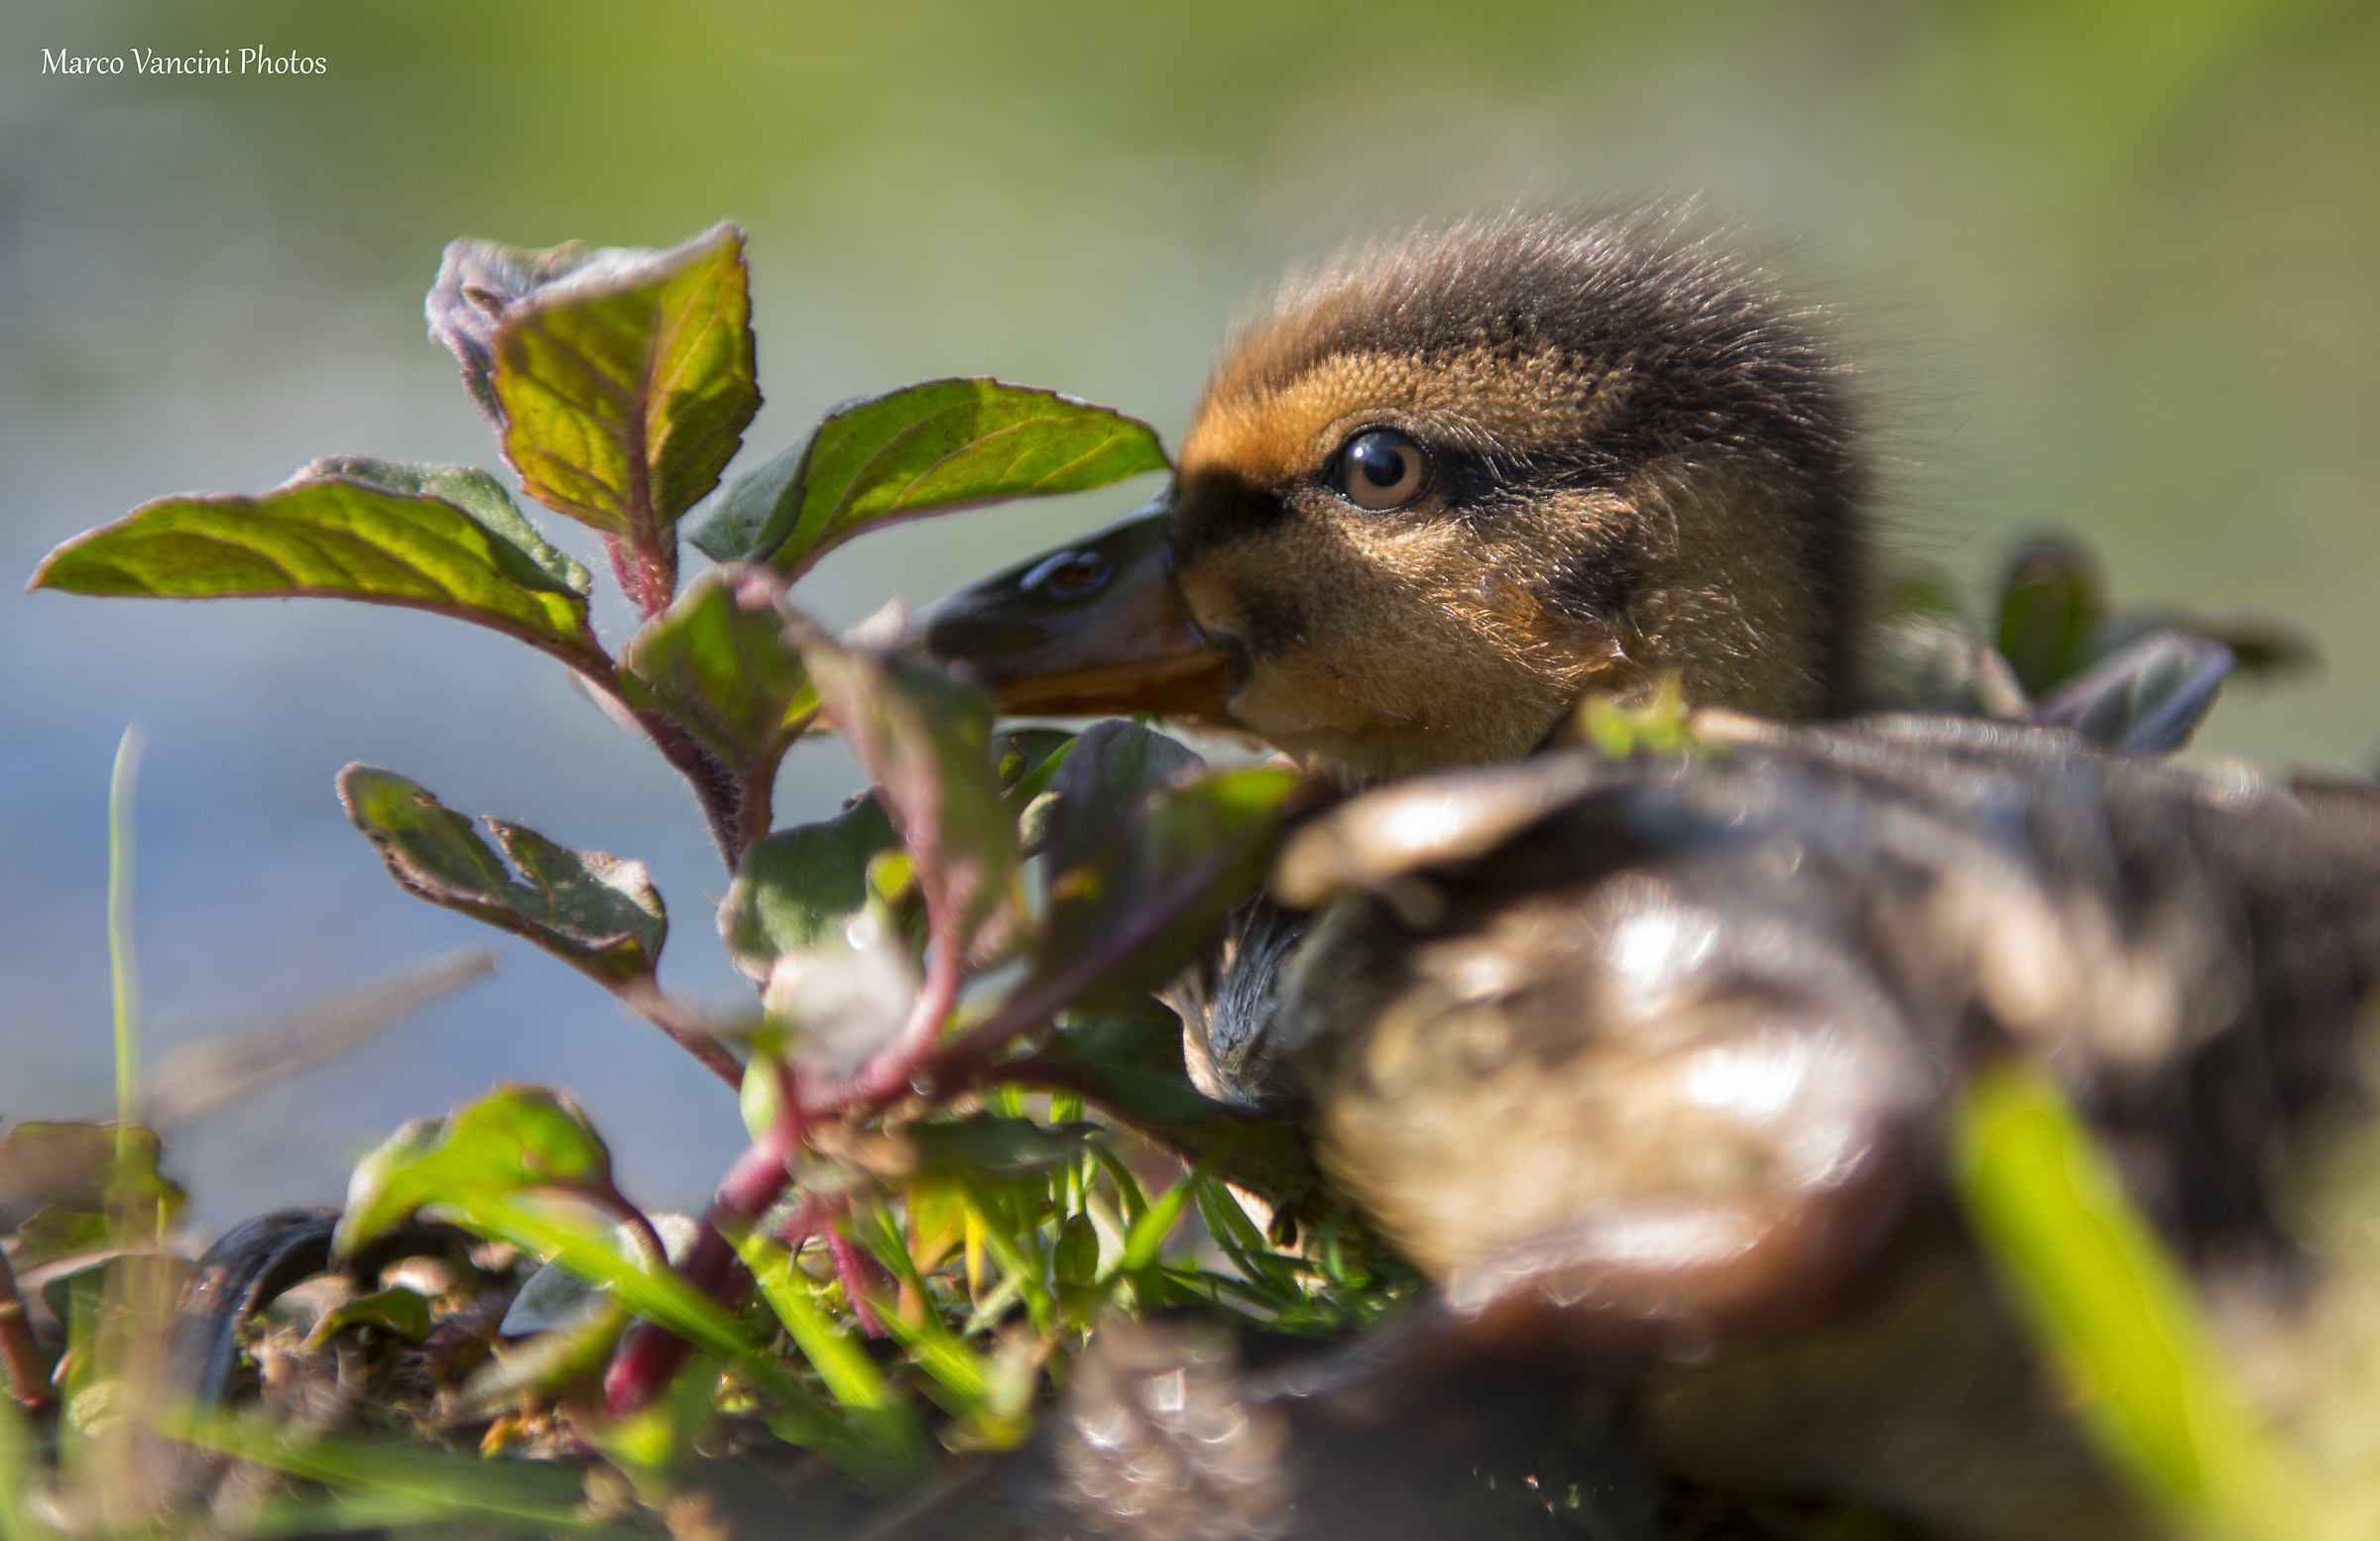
1647, 1066
1447, 485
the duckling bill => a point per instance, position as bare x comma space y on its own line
1446, 486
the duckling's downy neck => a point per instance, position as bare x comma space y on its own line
1449, 485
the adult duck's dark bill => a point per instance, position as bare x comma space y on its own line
1092, 628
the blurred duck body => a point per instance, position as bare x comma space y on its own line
1647, 1065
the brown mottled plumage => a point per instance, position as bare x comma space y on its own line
1648, 1066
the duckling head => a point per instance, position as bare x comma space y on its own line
1444, 486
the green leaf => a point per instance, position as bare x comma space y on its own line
1128, 915
513, 1138
2052, 606
593, 911
2116, 1315
986, 1145
1146, 1241
1129, 1062
800, 887
620, 381
925, 739
398, 1312
56, 1231
717, 662
73, 1171
414, 1485
1108, 773
926, 448
425, 537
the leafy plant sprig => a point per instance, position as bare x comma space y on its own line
985, 921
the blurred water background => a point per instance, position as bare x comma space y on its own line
2113, 266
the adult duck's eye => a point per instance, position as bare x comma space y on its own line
1382, 469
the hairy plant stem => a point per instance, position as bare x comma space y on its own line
716, 788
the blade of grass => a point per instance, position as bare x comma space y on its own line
17, 1466
851, 1376
1148, 1237
123, 974
2117, 1317
517, 1496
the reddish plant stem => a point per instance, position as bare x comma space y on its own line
686, 1029
862, 1280
809, 1213
20, 1355
651, 1356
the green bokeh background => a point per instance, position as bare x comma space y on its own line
2110, 266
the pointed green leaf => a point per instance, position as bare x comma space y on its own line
2052, 606
926, 448
718, 663
593, 911
622, 380
1108, 773
800, 887
56, 1231
925, 739
512, 1138
426, 537
399, 1313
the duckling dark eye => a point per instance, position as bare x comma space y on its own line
1069, 574
1382, 469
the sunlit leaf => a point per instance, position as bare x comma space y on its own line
800, 887
925, 739
716, 662
513, 1138
620, 381
591, 909
425, 537
925, 448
